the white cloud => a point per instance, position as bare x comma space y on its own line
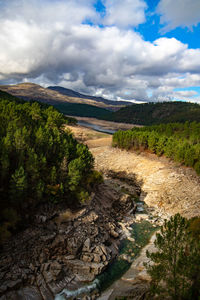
184, 13
183, 81
124, 13
185, 94
51, 45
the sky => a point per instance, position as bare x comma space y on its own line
139, 50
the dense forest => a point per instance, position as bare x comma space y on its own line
157, 113
39, 161
180, 142
82, 110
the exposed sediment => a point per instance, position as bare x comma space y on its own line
167, 187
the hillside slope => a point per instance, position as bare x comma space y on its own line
72, 93
31, 91
166, 186
156, 113
66, 105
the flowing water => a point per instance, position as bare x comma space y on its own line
140, 234
67, 294
129, 250
96, 127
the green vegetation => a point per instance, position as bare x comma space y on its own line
39, 161
180, 142
175, 271
156, 113
82, 110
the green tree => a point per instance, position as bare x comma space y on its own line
39, 160
18, 186
176, 263
161, 145
153, 141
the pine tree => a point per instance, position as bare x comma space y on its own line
174, 264
18, 186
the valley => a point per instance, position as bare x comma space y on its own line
166, 185
101, 125
165, 189
56, 266
99, 150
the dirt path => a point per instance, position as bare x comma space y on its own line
166, 186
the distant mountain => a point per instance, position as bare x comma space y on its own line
9, 97
70, 102
67, 105
58, 95
156, 113
71, 93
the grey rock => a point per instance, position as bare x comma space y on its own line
69, 257
30, 293
98, 250
73, 245
87, 244
87, 257
114, 234
96, 258
92, 217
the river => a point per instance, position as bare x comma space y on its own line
96, 127
138, 230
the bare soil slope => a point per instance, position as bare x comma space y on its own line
166, 186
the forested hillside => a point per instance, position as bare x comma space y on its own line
157, 113
82, 110
180, 142
39, 161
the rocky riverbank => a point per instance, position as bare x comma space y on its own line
64, 249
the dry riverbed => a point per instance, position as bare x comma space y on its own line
66, 249
166, 186
107, 124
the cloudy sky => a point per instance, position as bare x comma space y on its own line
146, 50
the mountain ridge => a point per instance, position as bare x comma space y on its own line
72, 93
32, 91
141, 114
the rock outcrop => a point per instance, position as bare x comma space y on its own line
63, 248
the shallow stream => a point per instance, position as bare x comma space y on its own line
139, 235
96, 127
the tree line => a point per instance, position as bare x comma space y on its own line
157, 113
178, 141
39, 161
